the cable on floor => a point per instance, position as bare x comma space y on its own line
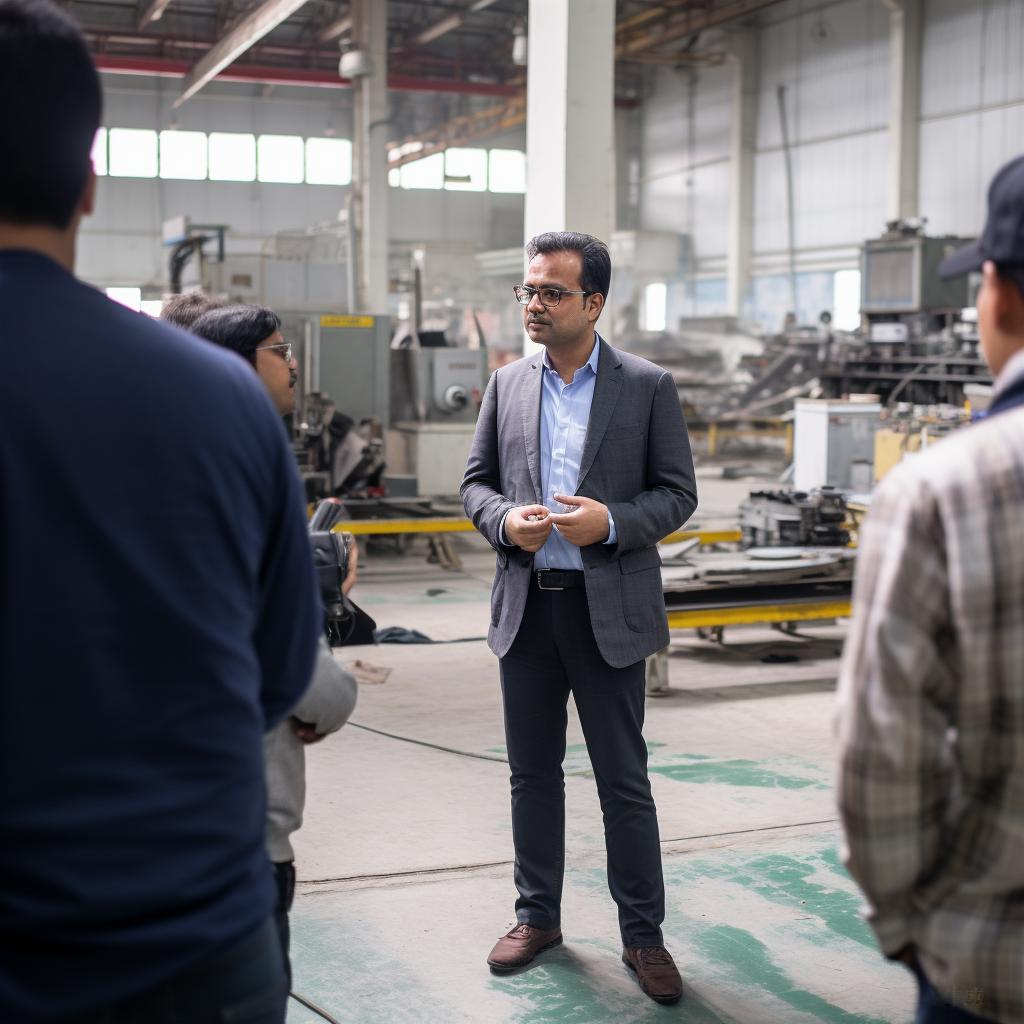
310, 1005
432, 746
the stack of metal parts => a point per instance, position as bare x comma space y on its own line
794, 553
794, 519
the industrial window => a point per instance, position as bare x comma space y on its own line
328, 161
846, 300
130, 297
99, 151
232, 157
507, 170
425, 173
183, 155
280, 158
132, 153
655, 306
465, 170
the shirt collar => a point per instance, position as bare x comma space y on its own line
1012, 372
591, 362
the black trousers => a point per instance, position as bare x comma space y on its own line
284, 879
243, 984
555, 653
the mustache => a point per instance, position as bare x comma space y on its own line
536, 320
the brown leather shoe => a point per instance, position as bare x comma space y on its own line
521, 945
656, 971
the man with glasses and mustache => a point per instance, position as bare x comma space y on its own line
580, 465
254, 332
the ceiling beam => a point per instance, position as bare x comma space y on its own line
154, 12
445, 25
163, 67
251, 29
687, 24
337, 28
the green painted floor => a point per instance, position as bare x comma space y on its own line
405, 858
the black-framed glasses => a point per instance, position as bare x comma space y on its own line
285, 348
548, 295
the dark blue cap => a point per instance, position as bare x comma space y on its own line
1002, 241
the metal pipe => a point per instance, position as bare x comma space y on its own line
790, 212
162, 67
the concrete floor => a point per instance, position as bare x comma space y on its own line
405, 858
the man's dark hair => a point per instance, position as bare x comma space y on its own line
50, 108
240, 328
596, 269
184, 310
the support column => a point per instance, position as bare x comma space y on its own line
904, 106
570, 120
369, 158
743, 56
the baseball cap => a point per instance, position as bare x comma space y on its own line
1002, 241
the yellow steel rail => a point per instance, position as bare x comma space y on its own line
457, 524
795, 611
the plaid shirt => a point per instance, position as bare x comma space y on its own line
931, 716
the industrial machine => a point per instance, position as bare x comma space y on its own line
436, 392
794, 519
915, 345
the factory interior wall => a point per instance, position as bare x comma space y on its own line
832, 59
121, 243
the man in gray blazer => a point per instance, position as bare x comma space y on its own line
580, 465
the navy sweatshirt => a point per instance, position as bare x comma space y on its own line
158, 613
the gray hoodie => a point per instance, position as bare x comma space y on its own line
326, 706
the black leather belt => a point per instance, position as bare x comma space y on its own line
558, 579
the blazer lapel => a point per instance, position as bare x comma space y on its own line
606, 394
532, 385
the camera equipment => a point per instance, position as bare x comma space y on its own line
344, 621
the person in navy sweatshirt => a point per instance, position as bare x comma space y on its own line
158, 610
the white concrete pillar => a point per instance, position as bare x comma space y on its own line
370, 158
570, 120
743, 54
904, 106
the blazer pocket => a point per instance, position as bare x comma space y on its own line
623, 432
637, 561
643, 600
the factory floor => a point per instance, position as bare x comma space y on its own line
405, 859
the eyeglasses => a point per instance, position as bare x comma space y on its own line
285, 348
549, 296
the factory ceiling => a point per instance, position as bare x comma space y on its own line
459, 46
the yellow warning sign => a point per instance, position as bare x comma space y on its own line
339, 320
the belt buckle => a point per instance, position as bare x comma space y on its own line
540, 584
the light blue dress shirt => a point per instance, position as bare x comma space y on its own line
564, 416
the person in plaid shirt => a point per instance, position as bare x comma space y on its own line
931, 691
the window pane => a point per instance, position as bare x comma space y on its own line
130, 297
395, 177
132, 152
232, 157
655, 306
465, 170
507, 170
152, 307
846, 300
425, 173
280, 158
99, 151
328, 161
183, 155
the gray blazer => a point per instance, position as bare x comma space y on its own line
636, 460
